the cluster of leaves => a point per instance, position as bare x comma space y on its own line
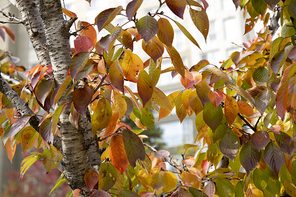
244, 109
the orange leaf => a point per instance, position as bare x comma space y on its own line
117, 154
154, 48
230, 109
91, 178
145, 87
69, 13
10, 150
88, 30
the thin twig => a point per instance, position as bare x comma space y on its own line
249, 125
257, 123
9, 4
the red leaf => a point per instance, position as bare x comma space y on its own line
132, 8
9, 32
177, 7
45, 131
91, 178
43, 89
83, 43
81, 98
260, 139
78, 62
87, 30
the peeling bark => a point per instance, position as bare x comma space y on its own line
33, 24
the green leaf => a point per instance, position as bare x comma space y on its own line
177, 7
28, 161
56, 116
261, 75
242, 92
239, 189
147, 27
274, 157
59, 182
127, 193
224, 187
106, 16
201, 21
61, 90
259, 6
196, 193
134, 147
293, 173
292, 7
229, 145
260, 179
147, 119
249, 157
212, 116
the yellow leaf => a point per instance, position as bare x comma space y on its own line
230, 109
101, 116
170, 181
131, 64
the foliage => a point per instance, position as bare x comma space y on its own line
244, 107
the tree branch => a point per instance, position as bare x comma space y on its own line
247, 123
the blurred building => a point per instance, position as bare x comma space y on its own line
225, 34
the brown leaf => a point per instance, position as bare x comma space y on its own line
81, 98
177, 7
91, 178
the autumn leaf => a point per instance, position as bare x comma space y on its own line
91, 178
132, 8
117, 154
147, 27
101, 116
200, 20
81, 98
134, 147
83, 44
145, 87
177, 7
154, 48
165, 32
106, 17
231, 109
131, 64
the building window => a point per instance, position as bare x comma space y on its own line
167, 78
230, 29
179, 40
213, 57
227, 5
176, 134
212, 31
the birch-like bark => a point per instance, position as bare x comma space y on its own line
77, 153
33, 24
